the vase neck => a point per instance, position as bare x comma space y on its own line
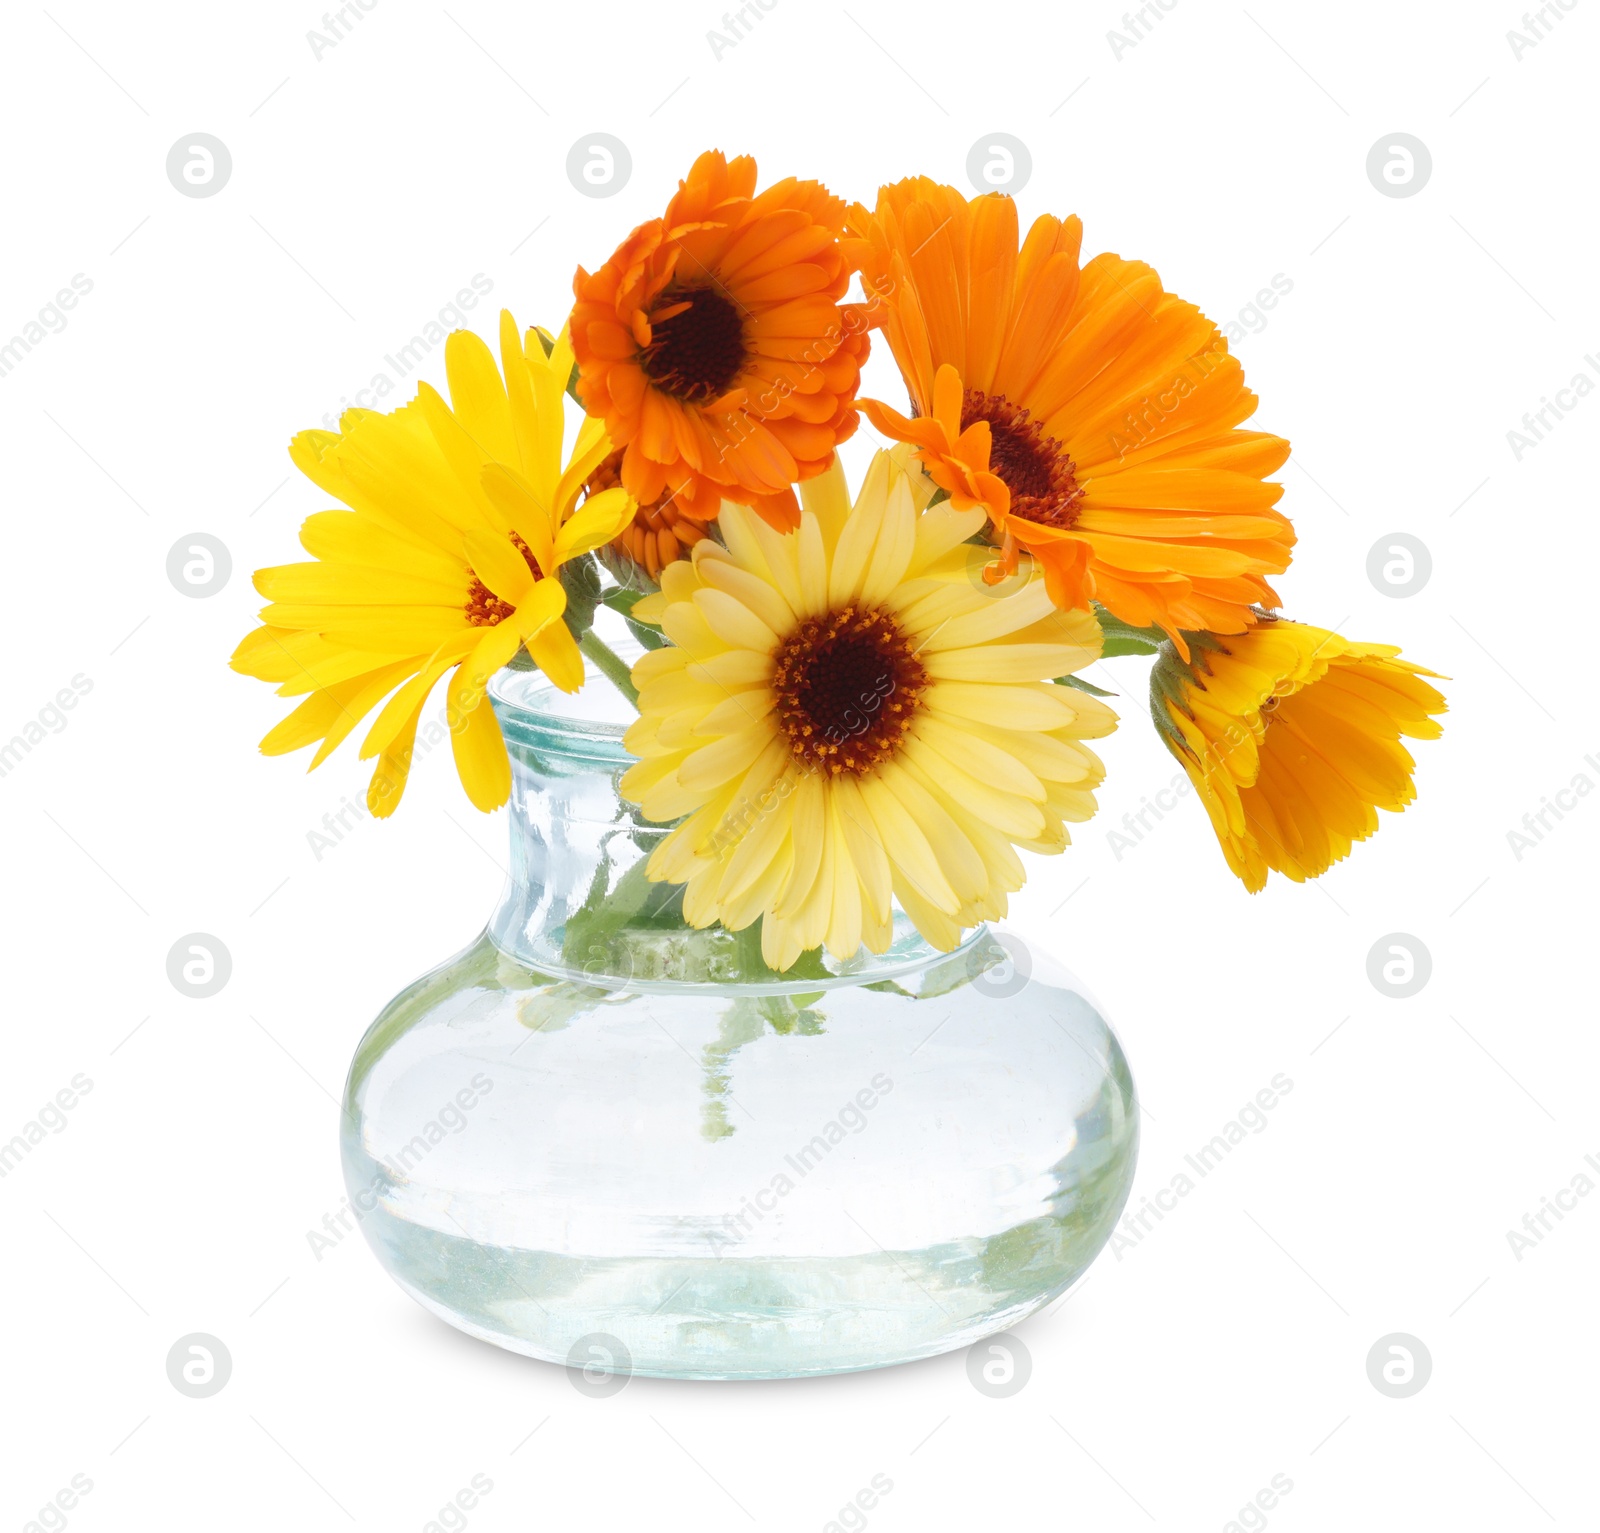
577, 903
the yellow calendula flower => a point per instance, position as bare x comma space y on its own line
847, 719
1291, 735
460, 517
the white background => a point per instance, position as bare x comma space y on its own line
1228, 1345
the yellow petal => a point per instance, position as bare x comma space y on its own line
479, 749
595, 523
556, 653
478, 397
498, 564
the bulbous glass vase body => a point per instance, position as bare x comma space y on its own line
598, 1135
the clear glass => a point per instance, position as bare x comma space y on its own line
598, 1135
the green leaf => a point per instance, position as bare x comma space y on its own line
624, 599
1128, 644
952, 973
581, 580
808, 965
596, 937
890, 987
1124, 639
647, 634
1083, 686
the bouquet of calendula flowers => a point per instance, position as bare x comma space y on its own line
893, 674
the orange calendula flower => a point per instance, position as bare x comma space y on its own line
715, 347
1291, 735
1091, 413
658, 534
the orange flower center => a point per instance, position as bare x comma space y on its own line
484, 608
1037, 471
848, 685
696, 344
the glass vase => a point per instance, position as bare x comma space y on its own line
598, 1136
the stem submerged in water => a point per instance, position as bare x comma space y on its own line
610, 664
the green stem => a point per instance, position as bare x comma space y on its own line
611, 664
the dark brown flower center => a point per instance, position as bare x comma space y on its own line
848, 685
484, 608
1035, 467
696, 352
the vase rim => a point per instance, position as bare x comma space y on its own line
587, 725
560, 735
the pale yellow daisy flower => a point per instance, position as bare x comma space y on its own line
849, 718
